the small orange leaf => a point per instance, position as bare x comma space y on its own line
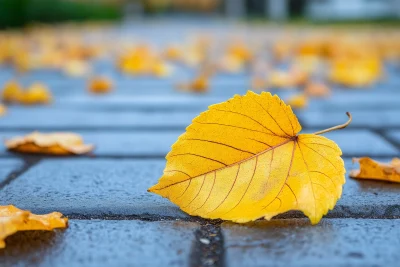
51, 143
100, 85
13, 220
371, 169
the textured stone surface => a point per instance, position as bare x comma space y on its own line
96, 187
120, 143
158, 144
367, 119
64, 119
367, 198
160, 97
361, 143
333, 242
91, 187
103, 243
7, 166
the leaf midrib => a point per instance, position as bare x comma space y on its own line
294, 138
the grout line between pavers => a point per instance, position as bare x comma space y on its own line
286, 216
383, 134
208, 246
29, 162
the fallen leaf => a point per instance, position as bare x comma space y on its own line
3, 110
242, 160
13, 220
173, 52
231, 64
161, 69
355, 73
100, 85
298, 101
371, 169
280, 79
317, 89
37, 93
49, 143
200, 84
76, 68
11, 92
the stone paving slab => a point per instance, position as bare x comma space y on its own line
90, 187
378, 119
200, 102
333, 242
64, 119
158, 144
118, 143
117, 187
367, 198
361, 142
7, 166
103, 243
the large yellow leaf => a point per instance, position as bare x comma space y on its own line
242, 160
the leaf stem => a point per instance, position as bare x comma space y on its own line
341, 126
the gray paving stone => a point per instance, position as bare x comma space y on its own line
124, 99
7, 166
357, 100
367, 198
64, 119
361, 143
90, 187
158, 143
130, 102
132, 143
377, 119
103, 243
95, 187
333, 242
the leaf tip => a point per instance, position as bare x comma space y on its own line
152, 189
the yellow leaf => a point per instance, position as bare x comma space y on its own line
100, 85
37, 93
298, 101
51, 143
13, 220
371, 169
243, 159
12, 91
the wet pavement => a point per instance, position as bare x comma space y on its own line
114, 221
